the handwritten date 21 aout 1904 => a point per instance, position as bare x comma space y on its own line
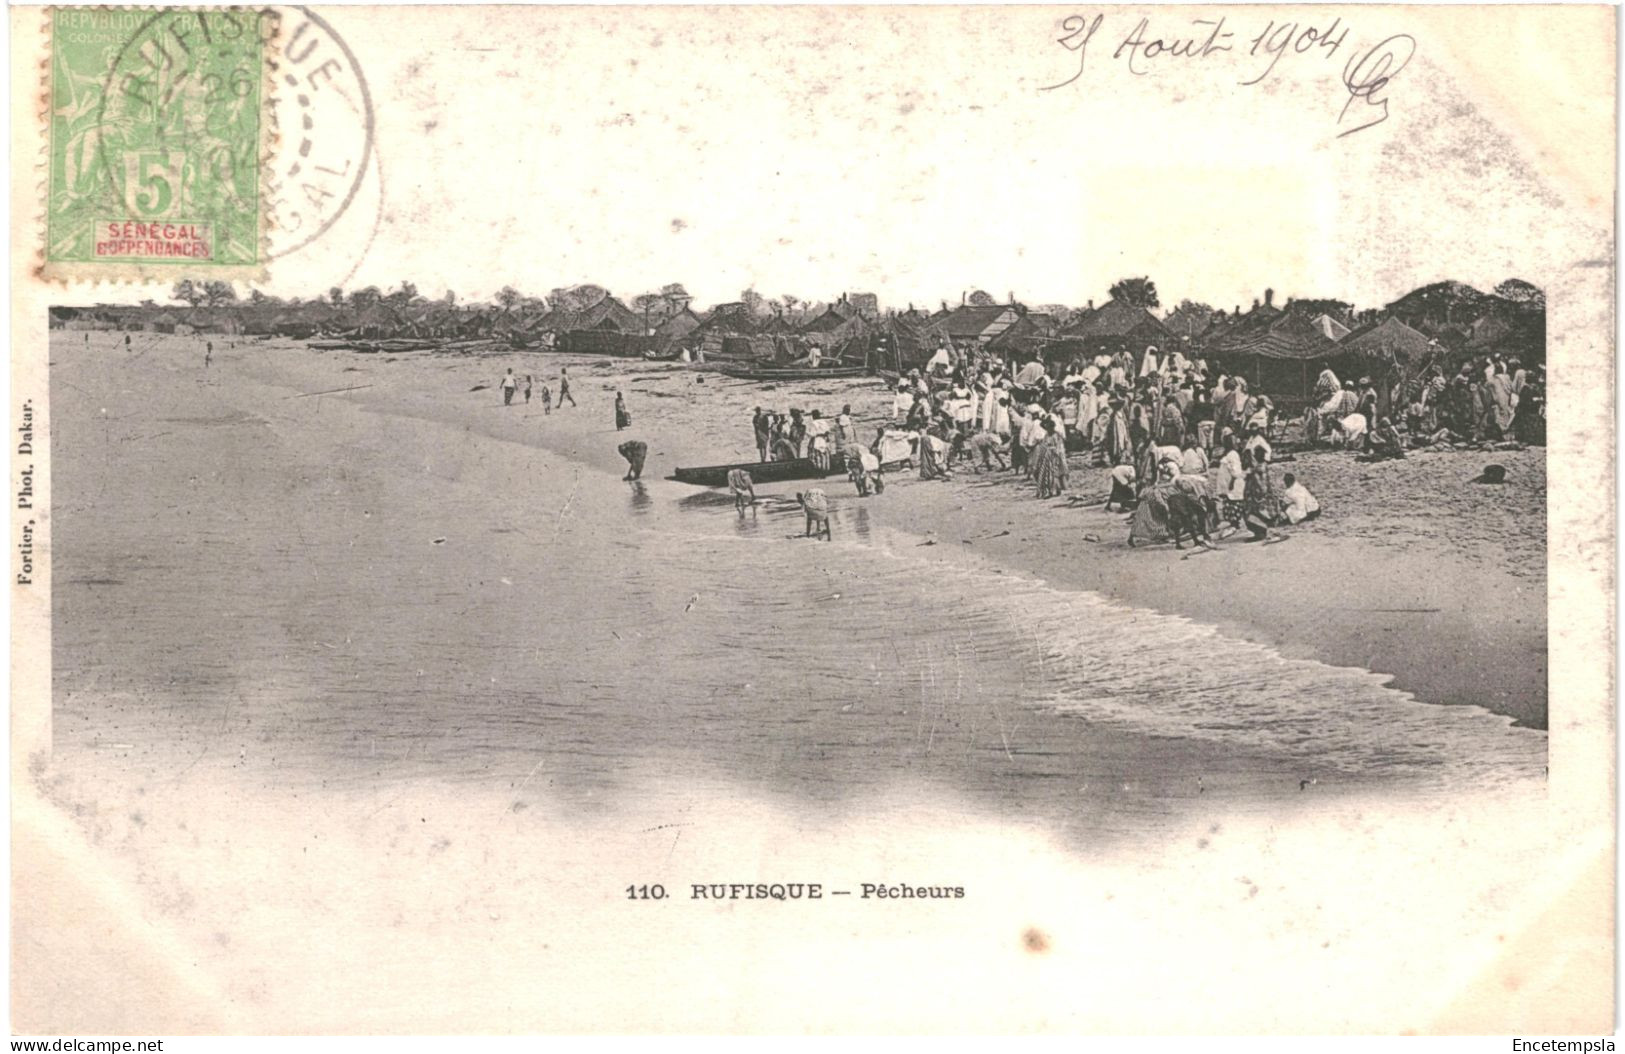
1366, 74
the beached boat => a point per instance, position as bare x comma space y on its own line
404, 344
372, 347
793, 373
761, 471
663, 356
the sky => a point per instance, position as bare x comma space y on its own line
909, 152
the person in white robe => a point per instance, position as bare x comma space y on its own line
902, 401
1089, 406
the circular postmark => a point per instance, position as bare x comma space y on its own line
325, 120
249, 130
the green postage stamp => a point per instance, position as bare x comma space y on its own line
157, 143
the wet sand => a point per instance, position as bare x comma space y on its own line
1412, 571
240, 560
408, 580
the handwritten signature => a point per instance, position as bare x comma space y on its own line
1366, 76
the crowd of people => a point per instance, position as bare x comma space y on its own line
798, 433
1490, 400
1189, 450
1158, 423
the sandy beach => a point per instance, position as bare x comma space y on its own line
1412, 571
465, 685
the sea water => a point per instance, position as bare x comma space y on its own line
526, 621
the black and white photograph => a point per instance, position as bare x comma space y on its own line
812, 520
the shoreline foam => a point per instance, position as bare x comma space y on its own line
1446, 625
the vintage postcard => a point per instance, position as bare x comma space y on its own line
812, 520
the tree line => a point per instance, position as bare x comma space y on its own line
1140, 292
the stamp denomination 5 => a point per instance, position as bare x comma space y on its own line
157, 142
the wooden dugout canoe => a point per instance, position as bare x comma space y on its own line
793, 373
761, 471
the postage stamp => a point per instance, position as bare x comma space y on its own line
157, 142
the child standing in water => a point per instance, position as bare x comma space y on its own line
527, 389
547, 399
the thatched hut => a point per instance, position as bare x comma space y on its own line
1279, 356
674, 327
1117, 326
1390, 353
